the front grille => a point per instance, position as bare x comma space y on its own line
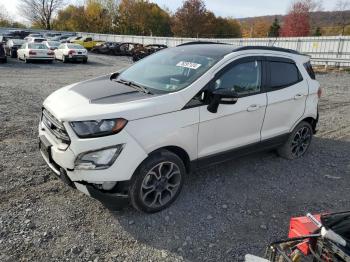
55, 126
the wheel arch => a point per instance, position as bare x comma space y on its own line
312, 121
180, 152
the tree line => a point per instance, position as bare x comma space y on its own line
192, 19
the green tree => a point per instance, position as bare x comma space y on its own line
71, 18
318, 32
275, 28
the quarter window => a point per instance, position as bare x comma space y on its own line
244, 78
283, 74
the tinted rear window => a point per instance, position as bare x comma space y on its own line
310, 70
37, 46
284, 74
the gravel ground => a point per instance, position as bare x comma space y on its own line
223, 212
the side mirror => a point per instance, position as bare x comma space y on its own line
221, 96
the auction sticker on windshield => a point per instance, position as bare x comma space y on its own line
188, 65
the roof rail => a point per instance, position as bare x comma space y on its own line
202, 43
269, 48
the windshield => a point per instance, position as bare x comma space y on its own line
75, 46
37, 46
173, 69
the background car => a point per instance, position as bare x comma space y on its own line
71, 39
60, 37
125, 48
87, 42
35, 51
12, 45
52, 45
105, 48
3, 57
71, 52
36, 35
143, 51
31, 39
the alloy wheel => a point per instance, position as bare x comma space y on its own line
301, 141
160, 184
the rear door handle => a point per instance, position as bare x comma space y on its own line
298, 96
253, 108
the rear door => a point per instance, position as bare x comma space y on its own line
286, 95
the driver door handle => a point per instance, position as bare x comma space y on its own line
298, 96
253, 108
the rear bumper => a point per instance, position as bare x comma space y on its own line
48, 58
77, 58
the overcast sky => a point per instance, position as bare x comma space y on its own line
232, 8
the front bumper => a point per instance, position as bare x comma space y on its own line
112, 201
62, 163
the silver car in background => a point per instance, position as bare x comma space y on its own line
35, 51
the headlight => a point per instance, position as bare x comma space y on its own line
98, 128
99, 159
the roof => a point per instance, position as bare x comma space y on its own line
233, 48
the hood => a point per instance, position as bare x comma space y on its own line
102, 98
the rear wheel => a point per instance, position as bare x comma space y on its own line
157, 182
85, 60
298, 142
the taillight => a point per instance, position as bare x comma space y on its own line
71, 52
31, 52
319, 92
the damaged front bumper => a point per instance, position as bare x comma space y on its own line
113, 201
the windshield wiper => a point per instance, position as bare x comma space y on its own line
134, 85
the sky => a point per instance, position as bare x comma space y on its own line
226, 8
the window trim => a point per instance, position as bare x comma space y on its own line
246, 59
239, 61
269, 60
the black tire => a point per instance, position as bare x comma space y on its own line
147, 191
298, 142
85, 60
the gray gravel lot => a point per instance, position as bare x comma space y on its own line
223, 212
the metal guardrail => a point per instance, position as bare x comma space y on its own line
328, 51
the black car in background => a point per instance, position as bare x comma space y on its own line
12, 45
3, 57
143, 51
105, 48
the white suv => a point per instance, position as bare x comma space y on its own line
135, 134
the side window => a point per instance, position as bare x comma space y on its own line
310, 70
244, 78
283, 74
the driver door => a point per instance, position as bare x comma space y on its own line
239, 124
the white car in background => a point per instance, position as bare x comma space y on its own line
35, 51
71, 52
52, 45
35, 39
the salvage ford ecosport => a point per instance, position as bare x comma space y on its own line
134, 135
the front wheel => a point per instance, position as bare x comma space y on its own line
157, 182
298, 142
